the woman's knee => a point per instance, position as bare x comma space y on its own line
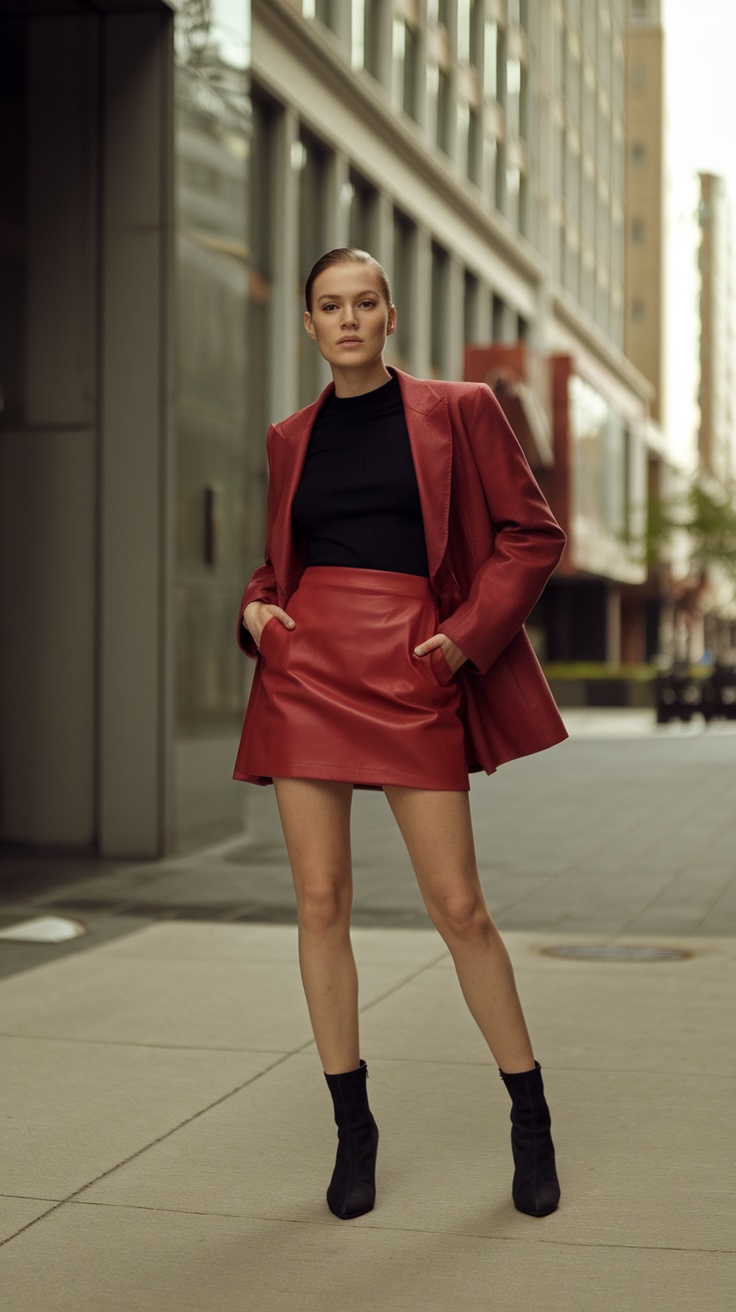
463, 916
324, 904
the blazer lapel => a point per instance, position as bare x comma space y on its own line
430, 437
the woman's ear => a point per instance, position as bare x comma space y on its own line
309, 326
391, 325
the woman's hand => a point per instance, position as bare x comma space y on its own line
453, 655
258, 614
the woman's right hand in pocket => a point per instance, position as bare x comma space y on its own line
258, 614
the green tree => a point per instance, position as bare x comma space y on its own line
709, 522
704, 523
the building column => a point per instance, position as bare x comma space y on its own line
48, 458
134, 730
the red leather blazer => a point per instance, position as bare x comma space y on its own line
492, 543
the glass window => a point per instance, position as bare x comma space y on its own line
357, 33
463, 30
523, 102
500, 179
602, 453
403, 267
488, 178
363, 217
490, 60
513, 95
446, 110
412, 68
460, 153
470, 308
371, 37
312, 181
440, 267
475, 164
324, 10
499, 315
261, 246
406, 66
476, 32
513, 189
222, 285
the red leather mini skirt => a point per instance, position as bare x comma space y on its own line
342, 696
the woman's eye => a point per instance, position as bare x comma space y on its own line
368, 304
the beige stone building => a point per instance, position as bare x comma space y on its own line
645, 198
716, 447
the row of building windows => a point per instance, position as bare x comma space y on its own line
588, 158
459, 72
313, 224
470, 74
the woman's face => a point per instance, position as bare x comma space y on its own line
350, 319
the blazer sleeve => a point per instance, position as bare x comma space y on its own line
528, 541
262, 585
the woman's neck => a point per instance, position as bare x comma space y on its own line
355, 382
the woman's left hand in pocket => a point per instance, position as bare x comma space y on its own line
453, 655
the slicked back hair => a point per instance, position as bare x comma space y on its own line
346, 255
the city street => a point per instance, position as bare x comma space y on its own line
168, 1136
625, 828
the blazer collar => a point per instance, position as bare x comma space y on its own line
430, 438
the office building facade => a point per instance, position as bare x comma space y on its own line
477, 147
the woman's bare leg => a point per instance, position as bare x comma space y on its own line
315, 816
437, 830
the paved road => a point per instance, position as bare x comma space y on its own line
623, 829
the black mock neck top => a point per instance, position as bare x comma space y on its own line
357, 503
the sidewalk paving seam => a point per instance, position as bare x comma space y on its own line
72, 1197
128, 1043
334, 1225
408, 979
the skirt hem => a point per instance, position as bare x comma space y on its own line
359, 779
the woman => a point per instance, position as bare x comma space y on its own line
407, 541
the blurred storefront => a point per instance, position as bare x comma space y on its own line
584, 436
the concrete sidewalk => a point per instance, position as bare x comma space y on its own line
168, 1136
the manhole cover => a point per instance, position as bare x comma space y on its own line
620, 952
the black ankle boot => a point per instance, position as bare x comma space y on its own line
352, 1189
536, 1189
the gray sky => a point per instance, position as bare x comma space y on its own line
700, 96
